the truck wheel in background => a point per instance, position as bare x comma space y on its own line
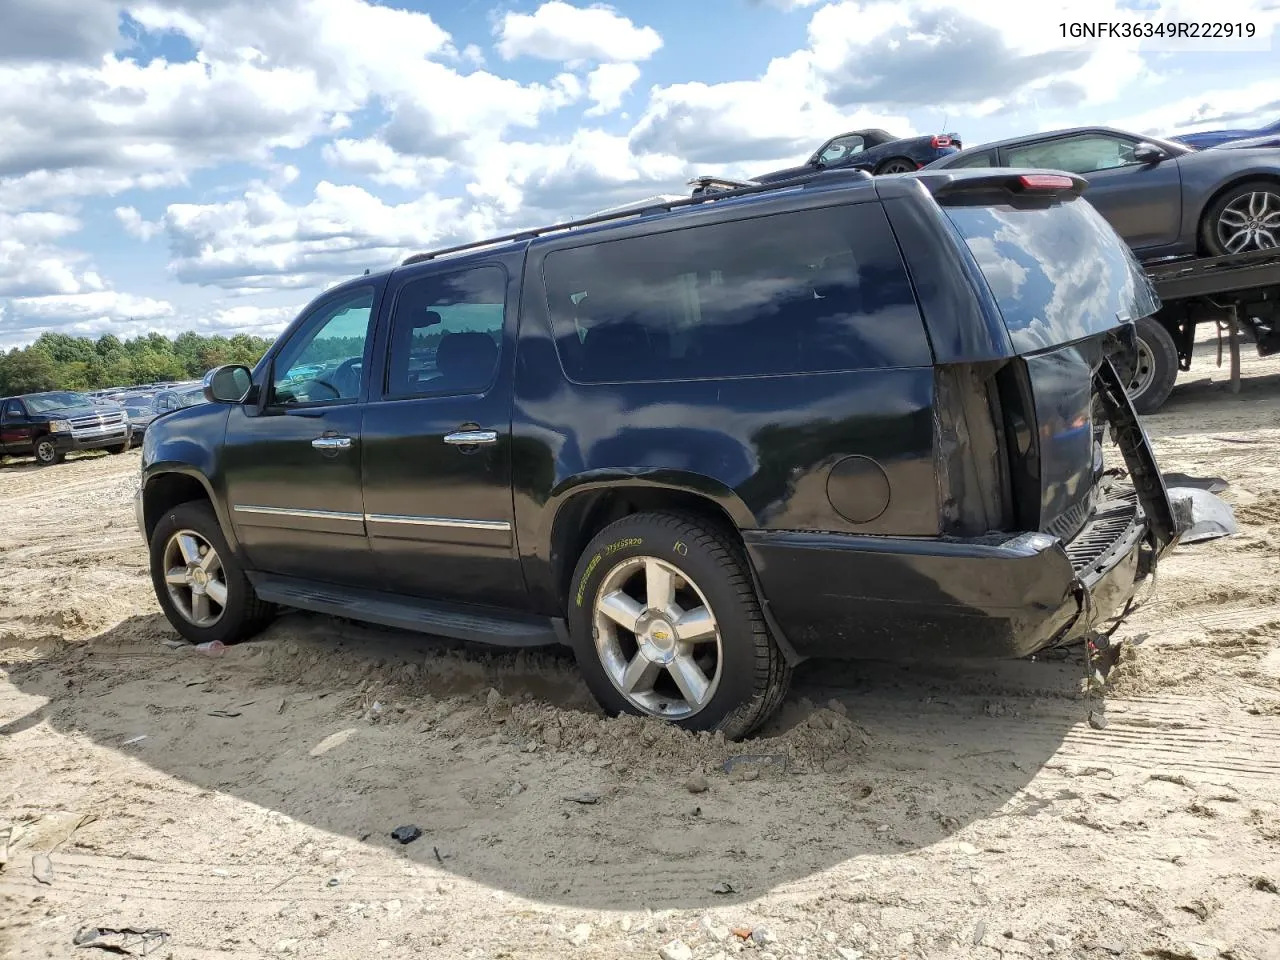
47, 452
120, 447
665, 622
1151, 381
201, 588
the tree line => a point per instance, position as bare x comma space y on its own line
58, 361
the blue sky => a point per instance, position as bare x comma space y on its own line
213, 164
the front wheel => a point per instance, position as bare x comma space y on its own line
47, 452
201, 587
665, 622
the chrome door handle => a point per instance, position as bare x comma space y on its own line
331, 443
468, 438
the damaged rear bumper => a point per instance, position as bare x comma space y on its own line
915, 599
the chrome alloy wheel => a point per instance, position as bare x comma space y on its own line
1144, 370
1250, 222
195, 579
657, 638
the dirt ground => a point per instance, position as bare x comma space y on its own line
983, 812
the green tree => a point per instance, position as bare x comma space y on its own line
29, 370
107, 344
57, 361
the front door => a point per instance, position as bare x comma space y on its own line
1141, 201
292, 461
437, 437
15, 430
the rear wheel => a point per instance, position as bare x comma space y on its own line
665, 622
47, 452
201, 588
896, 165
1155, 369
1245, 218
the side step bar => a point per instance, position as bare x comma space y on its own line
456, 621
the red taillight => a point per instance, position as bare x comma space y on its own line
1046, 181
942, 140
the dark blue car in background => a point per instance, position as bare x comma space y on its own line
1216, 138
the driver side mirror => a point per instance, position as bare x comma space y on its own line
230, 383
1148, 153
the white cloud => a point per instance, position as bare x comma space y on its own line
560, 31
82, 314
57, 30
1243, 107
266, 77
721, 126
607, 84
135, 226
525, 184
260, 241
31, 265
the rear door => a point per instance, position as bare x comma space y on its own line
436, 444
1141, 201
292, 462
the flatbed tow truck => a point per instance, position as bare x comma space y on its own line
1239, 293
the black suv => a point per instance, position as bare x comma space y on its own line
697, 443
49, 425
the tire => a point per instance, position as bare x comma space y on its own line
47, 453
896, 165
120, 447
1151, 382
243, 614
1263, 195
750, 676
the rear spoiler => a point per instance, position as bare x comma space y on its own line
1047, 184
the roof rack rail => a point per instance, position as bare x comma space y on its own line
664, 207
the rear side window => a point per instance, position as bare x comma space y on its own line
1058, 272
446, 332
987, 159
808, 292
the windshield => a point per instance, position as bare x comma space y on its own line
1059, 273
189, 398
46, 402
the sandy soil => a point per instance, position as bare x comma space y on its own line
986, 812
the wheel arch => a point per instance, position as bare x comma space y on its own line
166, 486
589, 507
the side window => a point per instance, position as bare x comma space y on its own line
13, 410
987, 159
324, 360
1083, 154
446, 333
806, 292
839, 149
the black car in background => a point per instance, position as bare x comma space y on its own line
875, 151
49, 425
1164, 198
